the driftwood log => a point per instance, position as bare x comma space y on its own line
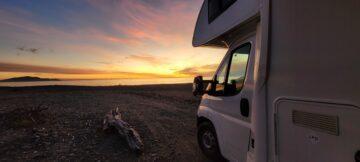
113, 120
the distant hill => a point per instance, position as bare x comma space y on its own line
28, 79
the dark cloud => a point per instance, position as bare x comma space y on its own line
11, 67
29, 50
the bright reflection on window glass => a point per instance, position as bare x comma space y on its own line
238, 68
221, 78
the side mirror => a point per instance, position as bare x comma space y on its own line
198, 86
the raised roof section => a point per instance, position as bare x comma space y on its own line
208, 30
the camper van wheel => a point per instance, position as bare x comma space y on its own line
208, 141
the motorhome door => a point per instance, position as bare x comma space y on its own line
232, 100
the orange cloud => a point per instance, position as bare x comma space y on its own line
120, 29
73, 72
205, 70
147, 59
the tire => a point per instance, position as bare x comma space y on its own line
208, 142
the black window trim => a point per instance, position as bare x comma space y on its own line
221, 12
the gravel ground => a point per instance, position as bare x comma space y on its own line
70, 126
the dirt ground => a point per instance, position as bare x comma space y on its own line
70, 126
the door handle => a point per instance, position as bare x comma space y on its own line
244, 107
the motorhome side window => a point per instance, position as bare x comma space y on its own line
230, 80
237, 71
217, 7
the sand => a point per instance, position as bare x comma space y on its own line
70, 129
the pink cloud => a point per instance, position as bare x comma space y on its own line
125, 28
173, 23
135, 22
103, 36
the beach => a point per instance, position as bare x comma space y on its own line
69, 126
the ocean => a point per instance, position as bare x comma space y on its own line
103, 82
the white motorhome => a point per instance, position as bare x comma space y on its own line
288, 89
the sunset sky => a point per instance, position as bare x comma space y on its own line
102, 39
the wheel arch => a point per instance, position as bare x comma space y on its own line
201, 119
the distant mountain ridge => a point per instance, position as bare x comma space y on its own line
28, 79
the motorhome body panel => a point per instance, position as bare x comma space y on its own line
313, 131
315, 50
314, 56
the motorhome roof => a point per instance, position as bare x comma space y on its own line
214, 26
